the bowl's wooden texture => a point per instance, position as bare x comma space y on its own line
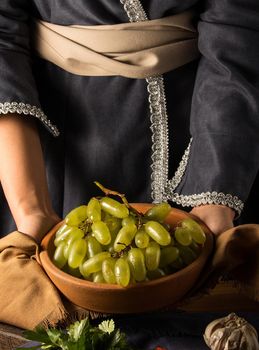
137, 298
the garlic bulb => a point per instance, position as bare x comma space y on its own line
231, 333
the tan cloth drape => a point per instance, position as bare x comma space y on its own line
27, 296
133, 50
235, 258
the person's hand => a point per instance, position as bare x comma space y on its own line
218, 218
37, 225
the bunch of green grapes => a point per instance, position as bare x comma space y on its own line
107, 241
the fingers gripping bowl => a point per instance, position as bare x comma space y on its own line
135, 298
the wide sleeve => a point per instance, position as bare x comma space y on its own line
18, 92
222, 160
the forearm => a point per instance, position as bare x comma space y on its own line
22, 175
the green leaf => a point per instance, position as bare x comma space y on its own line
54, 335
39, 335
76, 329
80, 335
119, 341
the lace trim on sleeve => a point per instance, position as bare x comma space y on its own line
194, 200
27, 109
214, 197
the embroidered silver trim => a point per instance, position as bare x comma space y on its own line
172, 184
27, 109
162, 188
158, 116
218, 198
134, 10
160, 137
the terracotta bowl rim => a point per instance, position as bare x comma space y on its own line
45, 261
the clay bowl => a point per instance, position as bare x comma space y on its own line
137, 298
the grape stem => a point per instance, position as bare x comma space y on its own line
84, 226
109, 192
122, 252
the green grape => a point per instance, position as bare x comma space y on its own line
63, 235
108, 267
74, 234
113, 224
77, 253
76, 216
98, 277
94, 264
178, 264
137, 264
152, 256
195, 229
158, 212
124, 237
195, 247
183, 236
168, 256
155, 274
122, 272
132, 281
70, 242
74, 272
93, 210
66, 250
93, 246
58, 258
101, 232
61, 230
86, 276
114, 208
141, 238
187, 254
110, 247
129, 220
158, 233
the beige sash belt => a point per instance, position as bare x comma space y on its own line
133, 50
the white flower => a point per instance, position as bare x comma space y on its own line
107, 326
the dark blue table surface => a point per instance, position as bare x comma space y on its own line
171, 330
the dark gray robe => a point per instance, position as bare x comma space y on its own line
104, 122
